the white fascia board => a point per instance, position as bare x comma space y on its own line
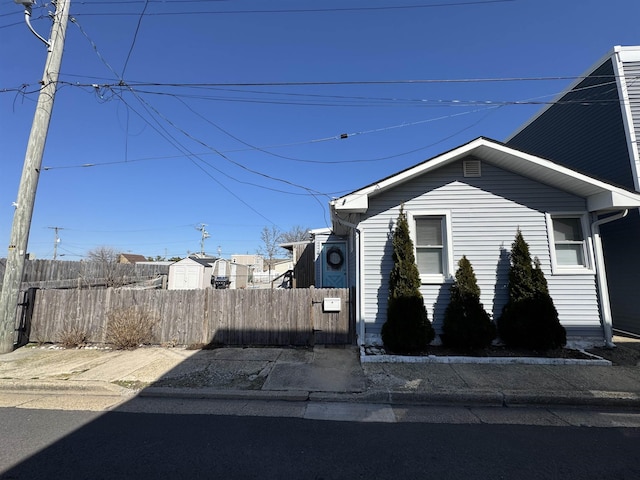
612, 200
628, 54
357, 202
621, 56
320, 231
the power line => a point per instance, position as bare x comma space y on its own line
417, 81
135, 36
302, 10
166, 135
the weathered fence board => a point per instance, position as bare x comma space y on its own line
209, 316
58, 273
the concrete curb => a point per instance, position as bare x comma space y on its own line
220, 394
63, 386
482, 360
579, 399
395, 398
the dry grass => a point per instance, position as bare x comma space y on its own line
72, 337
129, 328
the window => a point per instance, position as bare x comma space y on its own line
431, 240
570, 246
429, 245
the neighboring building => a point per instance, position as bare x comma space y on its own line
594, 127
194, 273
254, 262
302, 257
331, 259
131, 258
321, 261
191, 273
471, 201
228, 274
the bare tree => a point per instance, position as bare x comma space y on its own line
107, 258
271, 239
297, 233
103, 254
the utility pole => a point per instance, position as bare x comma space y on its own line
203, 236
56, 241
16, 256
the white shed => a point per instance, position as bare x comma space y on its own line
191, 273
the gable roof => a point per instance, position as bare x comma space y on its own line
616, 54
600, 196
131, 258
205, 262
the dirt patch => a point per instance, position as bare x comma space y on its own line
502, 351
626, 352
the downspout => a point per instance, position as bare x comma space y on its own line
601, 277
359, 318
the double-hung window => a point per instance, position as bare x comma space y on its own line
432, 247
570, 248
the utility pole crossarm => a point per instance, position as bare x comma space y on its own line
16, 255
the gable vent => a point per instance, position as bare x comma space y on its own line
472, 168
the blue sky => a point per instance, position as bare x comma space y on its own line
232, 111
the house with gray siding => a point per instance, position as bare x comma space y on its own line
593, 127
471, 201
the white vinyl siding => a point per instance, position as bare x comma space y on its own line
483, 215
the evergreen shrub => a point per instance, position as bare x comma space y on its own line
407, 328
529, 319
466, 324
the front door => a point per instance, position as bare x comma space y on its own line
334, 265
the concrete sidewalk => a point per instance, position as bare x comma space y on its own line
35, 377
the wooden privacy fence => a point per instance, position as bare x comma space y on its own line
209, 316
70, 274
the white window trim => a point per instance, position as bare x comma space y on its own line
447, 244
588, 245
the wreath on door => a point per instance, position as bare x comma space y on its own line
335, 258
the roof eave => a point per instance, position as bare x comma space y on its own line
610, 200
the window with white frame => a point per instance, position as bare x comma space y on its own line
570, 246
431, 240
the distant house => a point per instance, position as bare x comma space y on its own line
471, 201
194, 273
594, 127
254, 262
131, 258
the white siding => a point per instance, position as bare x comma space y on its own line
485, 214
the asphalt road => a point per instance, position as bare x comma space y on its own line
52, 444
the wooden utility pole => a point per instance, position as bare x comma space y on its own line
56, 241
17, 250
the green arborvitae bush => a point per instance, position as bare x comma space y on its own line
529, 319
466, 324
407, 329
